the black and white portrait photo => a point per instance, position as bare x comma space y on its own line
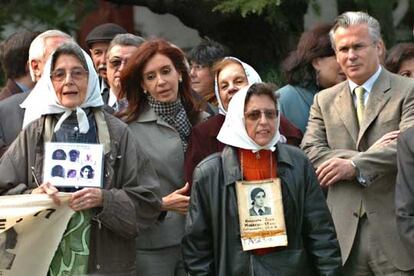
258, 201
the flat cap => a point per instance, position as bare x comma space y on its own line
104, 32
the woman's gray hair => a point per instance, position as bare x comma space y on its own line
349, 19
69, 48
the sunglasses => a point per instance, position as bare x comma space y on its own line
255, 115
115, 63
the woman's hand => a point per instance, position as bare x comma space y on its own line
86, 198
47, 188
177, 201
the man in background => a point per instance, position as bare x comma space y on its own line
11, 114
98, 42
14, 56
120, 50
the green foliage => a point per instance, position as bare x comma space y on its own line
43, 14
246, 7
273, 75
315, 6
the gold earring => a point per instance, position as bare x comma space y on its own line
180, 79
145, 91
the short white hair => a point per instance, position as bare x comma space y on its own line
350, 18
37, 47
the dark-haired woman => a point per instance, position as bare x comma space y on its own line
400, 59
308, 69
161, 114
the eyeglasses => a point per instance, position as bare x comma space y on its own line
255, 115
117, 62
76, 74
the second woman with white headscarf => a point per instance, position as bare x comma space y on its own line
231, 74
255, 162
66, 107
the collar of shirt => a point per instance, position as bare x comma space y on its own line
112, 99
23, 87
257, 209
367, 85
102, 85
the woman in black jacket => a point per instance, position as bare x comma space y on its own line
214, 243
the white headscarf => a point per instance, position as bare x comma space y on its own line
43, 100
233, 132
252, 77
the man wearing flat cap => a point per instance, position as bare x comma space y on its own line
98, 41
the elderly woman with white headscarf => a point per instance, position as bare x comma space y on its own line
66, 106
213, 242
231, 75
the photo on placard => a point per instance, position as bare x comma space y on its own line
74, 155
261, 215
258, 201
87, 172
72, 173
58, 171
73, 164
59, 154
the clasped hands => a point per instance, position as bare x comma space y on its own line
80, 200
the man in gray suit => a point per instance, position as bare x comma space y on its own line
15, 53
11, 114
351, 140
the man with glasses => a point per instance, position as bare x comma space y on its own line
351, 141
120, 50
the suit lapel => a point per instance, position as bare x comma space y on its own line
344, 106
376, 101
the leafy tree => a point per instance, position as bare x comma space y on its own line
259, 32
245, 7
39, 15
43, 14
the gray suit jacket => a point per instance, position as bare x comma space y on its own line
163, 145
333, 132
11, 119
11, 88
404, 190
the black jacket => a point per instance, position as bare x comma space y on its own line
212, 246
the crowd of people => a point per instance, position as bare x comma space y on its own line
208, 170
